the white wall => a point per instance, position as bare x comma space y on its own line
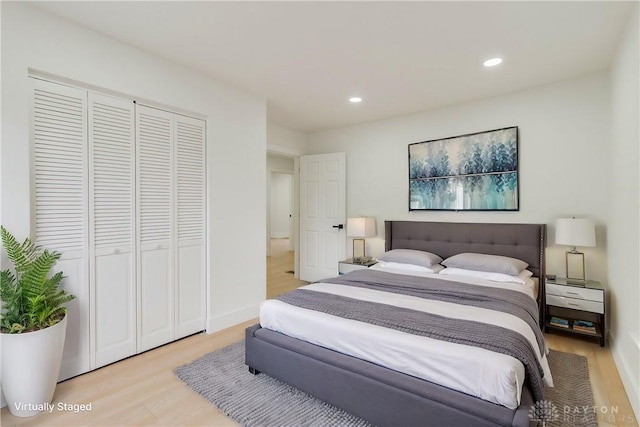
564, 137
236, 141
623, 231
285, 141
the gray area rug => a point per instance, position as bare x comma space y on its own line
571, 394
222, 378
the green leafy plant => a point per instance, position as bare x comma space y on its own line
30, 297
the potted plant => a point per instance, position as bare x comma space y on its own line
32, 326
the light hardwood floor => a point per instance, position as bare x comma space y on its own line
143, 390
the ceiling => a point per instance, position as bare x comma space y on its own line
308, 58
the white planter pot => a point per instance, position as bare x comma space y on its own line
30, 368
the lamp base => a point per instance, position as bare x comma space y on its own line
575, 267
358, 251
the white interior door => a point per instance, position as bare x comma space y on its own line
281, 205
322, 215
292, 227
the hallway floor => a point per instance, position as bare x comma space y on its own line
280, 278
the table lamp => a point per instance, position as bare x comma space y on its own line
575, 232
359, 228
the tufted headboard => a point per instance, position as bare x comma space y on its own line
523, 241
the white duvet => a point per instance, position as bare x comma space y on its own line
491, 376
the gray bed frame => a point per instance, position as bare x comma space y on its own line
385, 397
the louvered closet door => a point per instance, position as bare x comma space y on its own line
112, 220
59, 182
190, 271
155, 195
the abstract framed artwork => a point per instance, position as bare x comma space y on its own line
473, 172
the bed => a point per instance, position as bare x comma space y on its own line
385, 396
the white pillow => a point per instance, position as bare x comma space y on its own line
410, 267
411, 256
494, 277
486, 262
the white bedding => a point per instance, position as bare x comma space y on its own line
530, 287
491, 376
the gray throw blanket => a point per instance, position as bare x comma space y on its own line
490, 337
504, 300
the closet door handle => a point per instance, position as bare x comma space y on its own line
339, 226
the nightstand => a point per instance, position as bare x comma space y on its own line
347, 265
575, 302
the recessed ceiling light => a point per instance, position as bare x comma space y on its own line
492, 62
355, 99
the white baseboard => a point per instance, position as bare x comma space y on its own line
630, 383
224, 321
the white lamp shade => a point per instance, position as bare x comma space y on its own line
361, 227
575, 232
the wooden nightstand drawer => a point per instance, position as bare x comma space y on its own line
575, 292
575, 304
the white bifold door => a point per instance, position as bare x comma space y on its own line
190, 307
171, 227
60, 202
155, 230
120, 191
112, 225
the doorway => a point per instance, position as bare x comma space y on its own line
281, 208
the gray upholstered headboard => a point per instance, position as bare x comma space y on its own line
523, 241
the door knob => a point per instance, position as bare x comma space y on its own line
339, 226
